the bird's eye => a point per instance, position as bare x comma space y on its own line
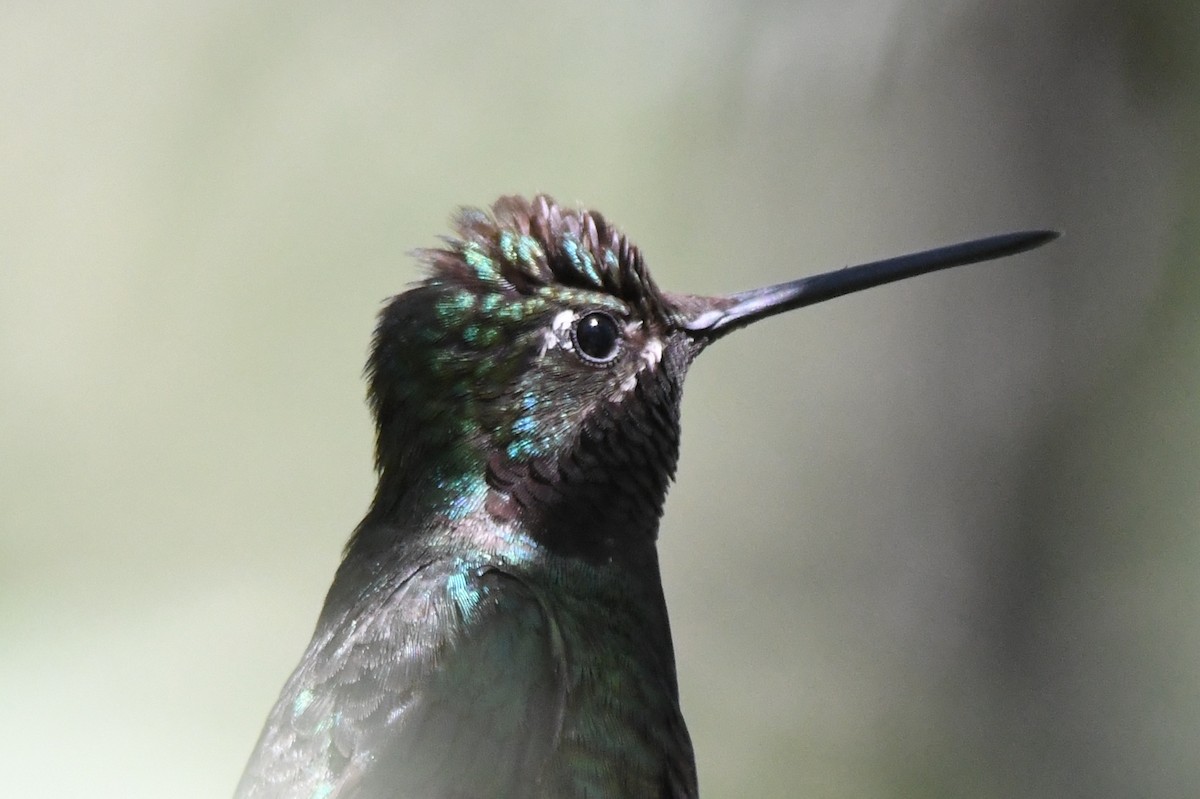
597, 337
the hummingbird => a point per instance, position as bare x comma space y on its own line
497, 628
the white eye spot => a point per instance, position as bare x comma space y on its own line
650, 355
562, 324
559, 332
652, 352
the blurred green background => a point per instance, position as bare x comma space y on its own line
940, 539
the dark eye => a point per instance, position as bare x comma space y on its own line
597, 337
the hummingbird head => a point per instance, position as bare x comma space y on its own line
536, 373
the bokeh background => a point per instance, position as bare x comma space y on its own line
940, 539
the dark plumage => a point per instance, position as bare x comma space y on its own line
497, 626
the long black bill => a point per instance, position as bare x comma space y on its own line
750, 306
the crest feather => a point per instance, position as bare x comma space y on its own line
523, 245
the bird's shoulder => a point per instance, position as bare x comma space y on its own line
440, 679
